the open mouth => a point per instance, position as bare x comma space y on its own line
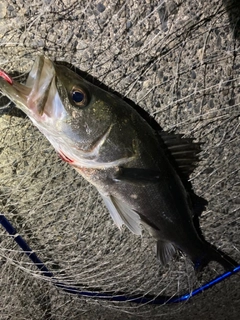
40, 80
32, 96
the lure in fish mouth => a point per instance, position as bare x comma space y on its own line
115, 149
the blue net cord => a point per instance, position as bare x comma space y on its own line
111, 296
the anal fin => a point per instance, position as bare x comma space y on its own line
165, 250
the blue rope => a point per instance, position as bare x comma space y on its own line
111, 296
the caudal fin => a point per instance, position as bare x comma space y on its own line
214, 254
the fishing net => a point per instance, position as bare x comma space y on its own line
180, 62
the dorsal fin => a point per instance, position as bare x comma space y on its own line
183, 150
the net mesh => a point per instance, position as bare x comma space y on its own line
180, 62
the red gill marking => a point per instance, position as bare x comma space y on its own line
6, 77
65, 158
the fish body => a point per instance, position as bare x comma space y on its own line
116, 150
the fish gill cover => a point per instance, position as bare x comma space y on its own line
179, 62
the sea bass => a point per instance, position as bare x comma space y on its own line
116, 150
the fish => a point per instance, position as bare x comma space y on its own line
136, 170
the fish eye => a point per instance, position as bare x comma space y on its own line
79, 97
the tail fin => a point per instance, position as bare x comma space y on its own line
214, 254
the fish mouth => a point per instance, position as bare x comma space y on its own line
32, 97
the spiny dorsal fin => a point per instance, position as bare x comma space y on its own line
183, 150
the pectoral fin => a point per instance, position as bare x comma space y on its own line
122, 214
138, 175
165, 251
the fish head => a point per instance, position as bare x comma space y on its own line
72, 113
